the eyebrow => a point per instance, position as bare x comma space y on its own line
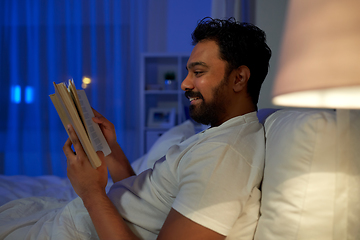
193, 64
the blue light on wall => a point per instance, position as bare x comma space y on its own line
29, 94
15, 94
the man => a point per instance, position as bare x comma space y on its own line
207, 186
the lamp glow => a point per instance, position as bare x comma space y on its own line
86, 80
341, 97
320, 55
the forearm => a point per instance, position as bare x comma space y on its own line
107, 221
118, 164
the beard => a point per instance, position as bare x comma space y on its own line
209, 113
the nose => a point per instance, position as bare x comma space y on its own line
187, 84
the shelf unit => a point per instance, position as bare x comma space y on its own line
154, 94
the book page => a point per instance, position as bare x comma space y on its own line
96, 137
73, 93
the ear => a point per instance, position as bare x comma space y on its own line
242, 75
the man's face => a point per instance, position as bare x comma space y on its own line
206, 85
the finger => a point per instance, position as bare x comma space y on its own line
103, 122
102, 159
96, 113
100, 154
99, 119
75, 141
67, 148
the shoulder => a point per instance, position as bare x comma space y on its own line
239, 136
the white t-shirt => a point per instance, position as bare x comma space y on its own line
211, 178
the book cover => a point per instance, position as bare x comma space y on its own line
74, 108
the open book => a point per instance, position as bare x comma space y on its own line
74, 108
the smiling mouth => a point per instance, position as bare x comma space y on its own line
193, 98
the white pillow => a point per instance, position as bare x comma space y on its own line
300, 197
173, 136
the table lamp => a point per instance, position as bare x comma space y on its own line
320, 55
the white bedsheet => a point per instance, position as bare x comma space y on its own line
43, 207
15, 187
45, 218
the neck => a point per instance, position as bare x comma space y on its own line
239, 108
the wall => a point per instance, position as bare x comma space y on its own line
171, 22
270, 17
182, 19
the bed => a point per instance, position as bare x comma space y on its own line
306, 193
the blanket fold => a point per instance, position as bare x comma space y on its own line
38, 218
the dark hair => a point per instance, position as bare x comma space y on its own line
239, 44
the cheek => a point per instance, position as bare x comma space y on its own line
205, 91
206, 88
201, 83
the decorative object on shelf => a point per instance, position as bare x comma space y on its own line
170, 81
161, 117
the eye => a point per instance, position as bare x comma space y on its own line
198, 73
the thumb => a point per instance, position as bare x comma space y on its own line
102, 159
97, 120
101, 156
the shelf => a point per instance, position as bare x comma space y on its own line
153, 94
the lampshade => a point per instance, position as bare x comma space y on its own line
320, 55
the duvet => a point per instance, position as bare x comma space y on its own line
43, 207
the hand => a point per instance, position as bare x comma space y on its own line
85, 180
106, 127
117, 162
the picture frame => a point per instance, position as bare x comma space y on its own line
161, 117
